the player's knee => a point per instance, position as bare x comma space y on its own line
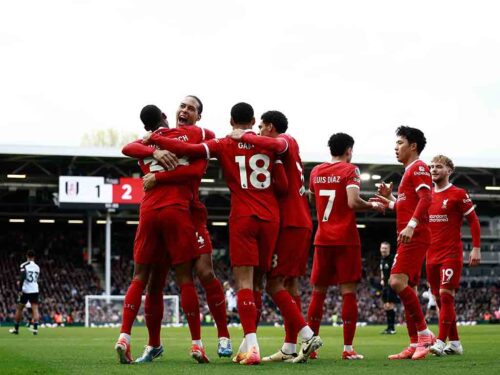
275, 284
205, 276
442, 292
396, 284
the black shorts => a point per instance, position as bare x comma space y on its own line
389, 295
25, 297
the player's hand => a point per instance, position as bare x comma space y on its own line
236, 134
149, 181
380, 199
166, 159
146, 139
475, 256
385, 190
378, 206
382, 283
405, 235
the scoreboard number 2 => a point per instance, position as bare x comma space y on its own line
127, 192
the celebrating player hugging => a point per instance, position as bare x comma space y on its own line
270, 230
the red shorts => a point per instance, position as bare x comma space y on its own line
334, 265
444, 275
252, 241
165, 235
203, 239
408, 260
292, 251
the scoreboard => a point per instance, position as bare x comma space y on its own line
99, 192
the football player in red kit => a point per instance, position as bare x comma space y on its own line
165, 205
412, 220
294, 240
187, 115
335, 189
450, 205
254, 217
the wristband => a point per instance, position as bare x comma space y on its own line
391, 205
374, 205
412, 223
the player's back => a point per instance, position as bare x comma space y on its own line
446, 213
336, 220
168, 194
294, 208
417, 176
247, 171
32, 271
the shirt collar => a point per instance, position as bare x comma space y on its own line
409, 165
436, 190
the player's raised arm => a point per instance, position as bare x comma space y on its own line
182, 148
181, 174
276, 145
138, 150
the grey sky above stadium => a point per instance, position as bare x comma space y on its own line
362, 67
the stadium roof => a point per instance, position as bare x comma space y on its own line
310, 157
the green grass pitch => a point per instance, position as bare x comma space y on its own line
90, 351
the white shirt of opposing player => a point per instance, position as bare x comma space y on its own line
30, 284
231, 299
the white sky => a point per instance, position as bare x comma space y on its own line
362, 67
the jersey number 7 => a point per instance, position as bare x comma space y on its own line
329, 206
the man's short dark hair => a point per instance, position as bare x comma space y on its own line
339, 143
151, 117
200, 104
386, 243
413, 135
242, 113
278, 119
30, 254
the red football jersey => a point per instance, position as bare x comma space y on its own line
417, 176
247, 171
448, 208
199, 212
336, 221
294, 208
168, 194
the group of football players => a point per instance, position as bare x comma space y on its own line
270, 230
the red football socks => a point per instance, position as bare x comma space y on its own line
411, 328
412, 307
247, 310
447, 316
349, 316
290, 312
153, 313
257, 297
292, 332
191, 308
216, 301
315, 311
131, 305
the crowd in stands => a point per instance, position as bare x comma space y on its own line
66, 279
